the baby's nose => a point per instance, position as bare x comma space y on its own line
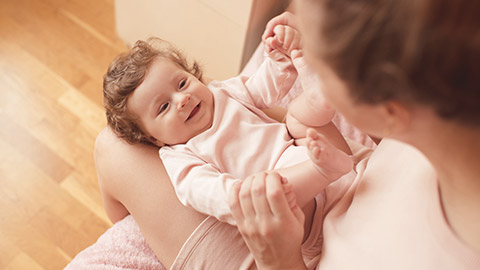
183, 100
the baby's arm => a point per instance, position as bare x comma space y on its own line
199, 184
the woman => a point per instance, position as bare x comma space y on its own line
400, 211
406, 70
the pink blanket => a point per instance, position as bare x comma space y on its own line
124, 247
120, 247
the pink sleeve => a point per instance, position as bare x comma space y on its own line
199, 184
272, 81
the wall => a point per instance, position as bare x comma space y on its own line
220, 34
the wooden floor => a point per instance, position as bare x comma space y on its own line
53, 54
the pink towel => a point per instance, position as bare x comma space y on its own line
120, 247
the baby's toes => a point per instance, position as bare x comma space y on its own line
314, 150
312, 134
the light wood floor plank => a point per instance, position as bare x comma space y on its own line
23, 261
9, 252
85, 194
53, 54
47, 160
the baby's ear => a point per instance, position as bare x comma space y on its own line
155, 141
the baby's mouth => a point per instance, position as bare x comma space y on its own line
194, 111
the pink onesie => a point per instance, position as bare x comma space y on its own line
242, 140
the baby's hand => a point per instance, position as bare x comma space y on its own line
285, 18
286, 39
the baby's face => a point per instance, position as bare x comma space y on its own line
172, 105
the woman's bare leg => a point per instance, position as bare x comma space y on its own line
133, 180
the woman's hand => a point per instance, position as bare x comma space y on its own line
272, 229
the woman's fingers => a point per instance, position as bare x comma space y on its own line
276, 197
234, 203
245, 196
298, 213
263, 196
260, 203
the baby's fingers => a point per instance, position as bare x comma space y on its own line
271, 44
285, 18
292, 39
287, 39
279, 31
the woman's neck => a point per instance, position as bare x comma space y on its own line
454, 151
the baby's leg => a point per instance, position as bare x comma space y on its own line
303, 114
331, 162
310, 107
312, 176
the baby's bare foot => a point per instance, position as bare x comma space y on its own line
330, 161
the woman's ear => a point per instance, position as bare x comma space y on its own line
397, 118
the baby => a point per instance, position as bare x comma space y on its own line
211, 136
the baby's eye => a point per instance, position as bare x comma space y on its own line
163, 107
182, 83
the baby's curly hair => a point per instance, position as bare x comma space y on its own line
126, 73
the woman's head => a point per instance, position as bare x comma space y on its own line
417, 52
125, 74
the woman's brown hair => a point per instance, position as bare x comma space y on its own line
125, 74
415, 51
